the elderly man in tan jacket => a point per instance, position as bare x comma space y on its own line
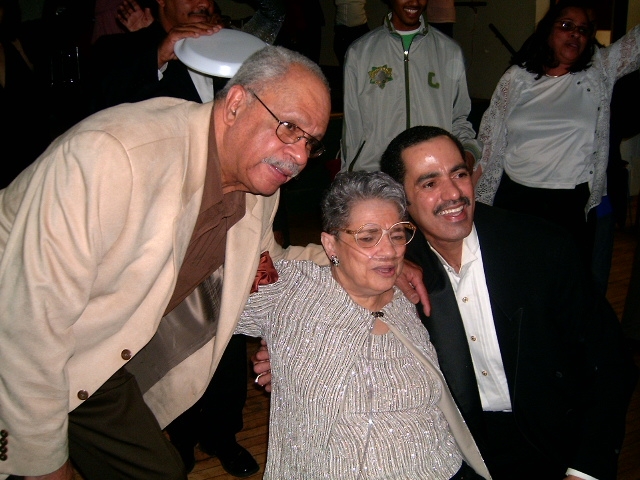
113, 226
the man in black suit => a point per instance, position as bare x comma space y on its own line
533, 356
140, 65
137, 66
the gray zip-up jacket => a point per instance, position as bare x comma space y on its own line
388, 89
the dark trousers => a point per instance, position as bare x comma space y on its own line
508, 454
114, 436
564, 207
215, 419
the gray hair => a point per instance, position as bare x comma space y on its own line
268, 66
350, 188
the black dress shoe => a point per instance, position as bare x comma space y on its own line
234, 458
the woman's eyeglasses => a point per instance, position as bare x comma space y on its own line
289, 133
370, 234
569, 26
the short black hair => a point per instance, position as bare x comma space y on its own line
391, 161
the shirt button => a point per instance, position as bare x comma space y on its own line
465, 299
83, 395
126, 354
485, 373
473, 338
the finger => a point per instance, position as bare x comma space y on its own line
263, 379
424, 299
261, 367
261, 355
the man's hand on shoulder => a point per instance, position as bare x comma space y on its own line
411, 283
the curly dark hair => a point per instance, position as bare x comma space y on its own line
536, 55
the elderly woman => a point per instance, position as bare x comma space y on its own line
357, 392
546, 131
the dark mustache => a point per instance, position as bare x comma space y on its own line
451, 203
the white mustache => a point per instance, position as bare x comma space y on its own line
291, 169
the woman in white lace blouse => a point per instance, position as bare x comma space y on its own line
356, 388
546, 131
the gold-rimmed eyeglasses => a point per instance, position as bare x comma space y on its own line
370, 234
288, 132
569, 26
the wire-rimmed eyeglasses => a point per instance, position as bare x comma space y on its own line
370, 234
288, 132
569, 26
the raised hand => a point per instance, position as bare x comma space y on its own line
132, 17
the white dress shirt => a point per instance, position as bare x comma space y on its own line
472, 295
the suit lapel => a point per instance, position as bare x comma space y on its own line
461, 432
503, 294
447, 334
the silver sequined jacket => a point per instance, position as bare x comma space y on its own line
316, 334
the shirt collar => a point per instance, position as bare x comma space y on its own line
470, 249
424, 26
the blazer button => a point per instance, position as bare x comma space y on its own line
3, 457
83, 394
3, 441
126, 354
3, 449
4, 433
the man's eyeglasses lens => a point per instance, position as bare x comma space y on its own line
289, 133
370, 234
569, 26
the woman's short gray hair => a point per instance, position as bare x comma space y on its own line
267, 67
350, 188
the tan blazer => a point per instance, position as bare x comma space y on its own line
92, 236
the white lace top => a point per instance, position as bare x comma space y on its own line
597, 81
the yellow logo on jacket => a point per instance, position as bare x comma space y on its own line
380, 75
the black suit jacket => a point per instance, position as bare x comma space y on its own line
569, 377
124, 68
